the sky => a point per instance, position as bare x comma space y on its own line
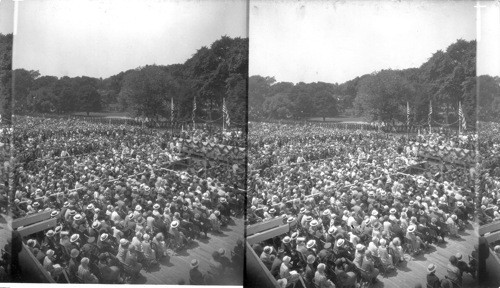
100, 38
336, 41
488, 56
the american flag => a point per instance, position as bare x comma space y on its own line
171, 109
225, 113
461, 116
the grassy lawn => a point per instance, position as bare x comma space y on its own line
104, 114
340, 119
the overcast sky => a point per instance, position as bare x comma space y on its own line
338, 41
488, 57
100, 38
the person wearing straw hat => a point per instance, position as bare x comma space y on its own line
105, 244
285, 273
320, 279
177, 236
275, 267
384, 255
110, 274
48, 261
344, 277
195, 275
137, 241
432, 280
359, 255
452, 226
73, 265
50, 240
214, 220
84, 272
414, 240
224, 259
122, 250
463, 266
453, 272
148, 252
131, 259
90, 249
369, 267
265, 257
217, 269
315, 229
286, 245
310, 270
311, 246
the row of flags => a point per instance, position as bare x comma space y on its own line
461, 117
225, 113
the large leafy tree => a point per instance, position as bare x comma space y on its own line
6, 77
383, 96
278, 106
42, 100
24, 82
450, 76
218, 72
89, 98
325, 104
259, 89
489, 98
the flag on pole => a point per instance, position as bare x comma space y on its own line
194, 109
430, 116
172, 109
407, 115
461, 117
225, 113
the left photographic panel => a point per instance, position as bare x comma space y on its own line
129, 122
6, 42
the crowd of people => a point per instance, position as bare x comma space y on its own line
352, 213
489, 173
5, 163
120, 206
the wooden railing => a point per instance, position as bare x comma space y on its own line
29, 264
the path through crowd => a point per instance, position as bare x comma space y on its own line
415, 271
177, 269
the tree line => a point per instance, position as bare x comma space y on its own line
6, 42
211, 74
445, 79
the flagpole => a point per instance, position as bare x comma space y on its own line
172, 117
408, 121
223, 116
430, 117
459, 118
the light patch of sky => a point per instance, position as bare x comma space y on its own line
310, 41
100, 38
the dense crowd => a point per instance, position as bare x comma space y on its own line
352, 213
489, 176
5, 164
119, 203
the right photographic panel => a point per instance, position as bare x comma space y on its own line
373, 144
488, 153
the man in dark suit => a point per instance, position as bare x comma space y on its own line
432, 280
195, 276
